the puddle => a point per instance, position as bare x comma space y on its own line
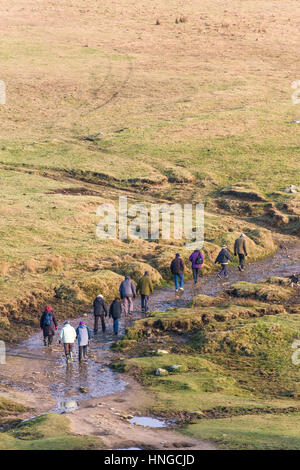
149, 422
88, 376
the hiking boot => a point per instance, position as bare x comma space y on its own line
240, 268
181, 289
219, 276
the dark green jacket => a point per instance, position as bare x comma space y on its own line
145, 286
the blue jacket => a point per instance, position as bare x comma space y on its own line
83, 335
223, 257
127, 289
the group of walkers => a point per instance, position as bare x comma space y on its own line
197, 260
67, 334
124, 302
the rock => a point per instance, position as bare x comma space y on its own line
160, 371
69, 404
83, 390
161, 352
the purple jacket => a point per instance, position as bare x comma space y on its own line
193, 258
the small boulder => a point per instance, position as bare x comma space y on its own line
160, 352
160, 371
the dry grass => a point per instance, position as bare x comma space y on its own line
4, 268
31, 266
55, 263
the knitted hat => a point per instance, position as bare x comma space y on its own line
48, 308
100, 295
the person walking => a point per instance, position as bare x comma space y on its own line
48, 325
177, 269
115, 311
67, 336
127, 294
145, 288
83, 336
196, 259
100, 311
222, 259
240, 250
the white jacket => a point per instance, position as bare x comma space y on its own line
67, 334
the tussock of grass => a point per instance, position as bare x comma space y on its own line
136, 270
9, 408
31, 266
261, 291
4, 268
243, 191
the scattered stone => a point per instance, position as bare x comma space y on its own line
83, 390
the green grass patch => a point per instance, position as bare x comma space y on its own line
46, 432
263, 432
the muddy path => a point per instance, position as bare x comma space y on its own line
38, 377
283, 263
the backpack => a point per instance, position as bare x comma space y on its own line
47, 319
199, 260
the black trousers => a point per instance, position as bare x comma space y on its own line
195, 274
96, 321
241, 260
49, 338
